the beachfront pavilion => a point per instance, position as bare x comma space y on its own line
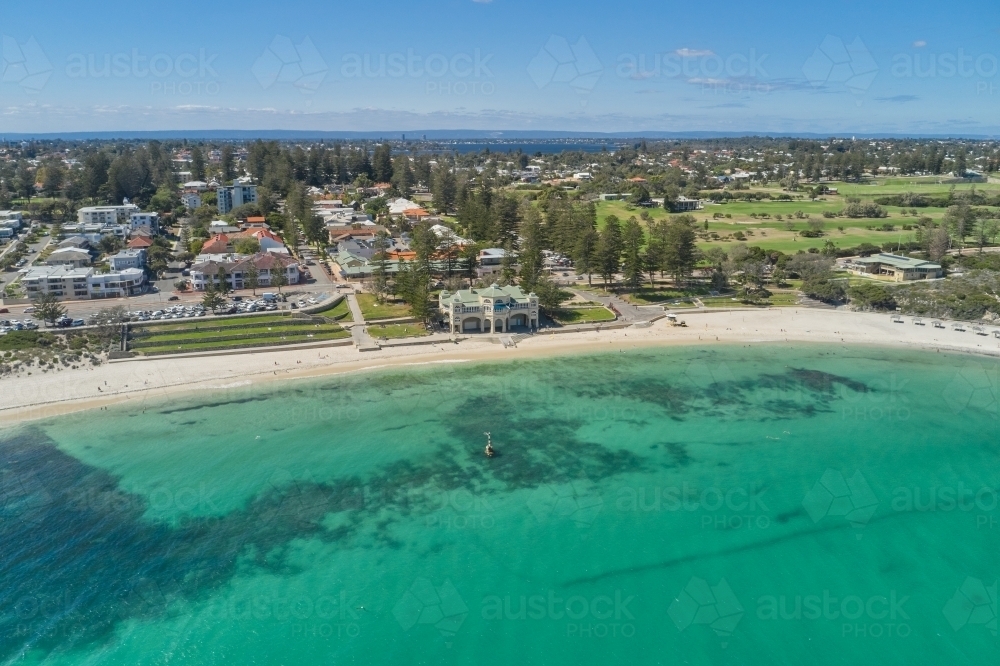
492, 310
894, 267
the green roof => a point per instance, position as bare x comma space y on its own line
897, 261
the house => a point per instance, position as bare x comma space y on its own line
117, 284
217, 244
139, 243
683, 204
267, 265
893, 266
69, 256
78, 242
127, 259
255, 221
492, 310
415, 214
195, 185
400, 206
612, 197
264, 237
221, 227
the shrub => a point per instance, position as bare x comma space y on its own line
872, 296
823, 289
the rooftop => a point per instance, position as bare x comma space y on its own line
897, 261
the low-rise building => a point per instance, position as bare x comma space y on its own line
492, 310
117, 284
106, 215
683, 204
68, 256
267, 264
490, 260
128, 258
62, 281
893, 266
149, 221
191, 200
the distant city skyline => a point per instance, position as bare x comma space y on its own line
787, 68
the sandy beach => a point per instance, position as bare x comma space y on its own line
137, 380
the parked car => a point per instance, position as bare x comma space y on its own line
5, 310
174, 298
77, 322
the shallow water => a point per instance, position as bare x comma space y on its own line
774, 504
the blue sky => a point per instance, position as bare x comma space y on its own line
844, 66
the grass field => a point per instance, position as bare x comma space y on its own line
771, 233
393, 331
373, 310
582, 315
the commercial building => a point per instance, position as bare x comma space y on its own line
117, 284
492, 310
893, 267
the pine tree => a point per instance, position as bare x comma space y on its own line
609, 249
632, 265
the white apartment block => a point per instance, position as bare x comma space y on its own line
62, 281
236, 195
150, 221
106, 215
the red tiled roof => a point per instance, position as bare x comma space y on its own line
139, 242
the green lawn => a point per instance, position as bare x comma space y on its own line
371, 309
766, 230
210, 323
341, 312
248, 331
582, 315
392, 331
237, 344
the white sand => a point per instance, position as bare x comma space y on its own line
47, 394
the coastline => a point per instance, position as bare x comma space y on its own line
46, 395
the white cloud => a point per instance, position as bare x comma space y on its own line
919, 44
694, 53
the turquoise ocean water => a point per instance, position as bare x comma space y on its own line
763, 505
